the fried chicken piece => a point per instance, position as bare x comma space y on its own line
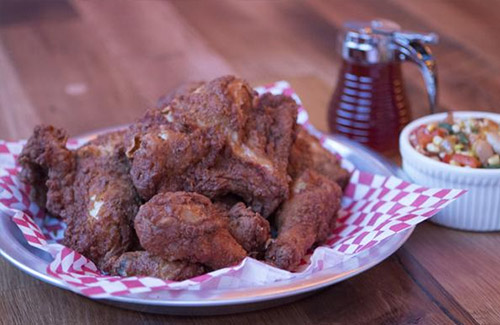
181, 226
105, 202
307, 152
90, 188
222, 104
48, 167
250, 229
190, 132
143, 263
255, 167
179, 93
216, 139
305, 219
162, 154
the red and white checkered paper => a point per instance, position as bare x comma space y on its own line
373, 208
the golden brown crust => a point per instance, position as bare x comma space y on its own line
105, 202
307, 152
179, 92
181, 226
142, 263
305, 219
48, 167
219, 139
250, 229
90, 188
163, 155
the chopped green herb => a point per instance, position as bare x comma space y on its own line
446, 126
462, 138
453, 141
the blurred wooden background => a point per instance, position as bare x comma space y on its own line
85, 65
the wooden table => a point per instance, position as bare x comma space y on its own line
89, 64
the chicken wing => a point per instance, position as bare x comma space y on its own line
90, 188
178, 93
216, 139
307, 152
205, 141
181, 226
142, 263
305, 219
49, 168
250, 229
164, 156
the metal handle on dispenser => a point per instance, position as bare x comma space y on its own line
412, 47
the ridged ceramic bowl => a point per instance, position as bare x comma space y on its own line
479, 208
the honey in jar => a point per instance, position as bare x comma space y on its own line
369, 104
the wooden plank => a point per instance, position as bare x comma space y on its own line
383, 294
18, 114
466, 78
465, 264
266, 40
12, 278
473, 24
19, 12
433, 289
68, 76
85, 64
152, 44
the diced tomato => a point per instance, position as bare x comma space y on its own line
465, 160
447, 158
423, 136
439, 131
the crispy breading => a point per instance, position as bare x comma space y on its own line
49, 168
142, 263
307, 152
219, 139
250, 229
182, 226
208, 165
90, 188
307, 218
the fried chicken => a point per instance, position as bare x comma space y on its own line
307, 218
181, 226
105, 202
90, 188
211, 163
48, 167
250, 229
142, 263
179, 93
162, 154
216, 139
307, 152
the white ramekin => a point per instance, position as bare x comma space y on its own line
479, 208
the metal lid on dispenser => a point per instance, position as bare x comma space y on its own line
378, 41
382, 40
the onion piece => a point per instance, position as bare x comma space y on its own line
483, 150
494, 140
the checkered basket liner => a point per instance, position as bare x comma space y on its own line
374, 208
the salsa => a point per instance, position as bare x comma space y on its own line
469, 142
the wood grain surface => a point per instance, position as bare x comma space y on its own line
85, 65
